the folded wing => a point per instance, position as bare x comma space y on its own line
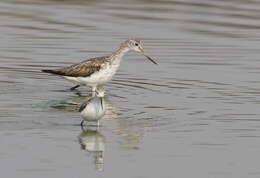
83, 69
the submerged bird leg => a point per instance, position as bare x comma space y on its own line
78, 93
75, 87
94, 91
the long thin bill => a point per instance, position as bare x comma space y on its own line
150, 59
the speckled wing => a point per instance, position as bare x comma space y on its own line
82, 69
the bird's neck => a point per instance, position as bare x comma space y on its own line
118, 54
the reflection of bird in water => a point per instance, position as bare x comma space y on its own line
93, 142
129, 131
94, 108
97, 71
129, 128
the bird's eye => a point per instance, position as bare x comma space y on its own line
136, 44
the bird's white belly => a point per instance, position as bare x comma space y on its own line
102, 76
93, 112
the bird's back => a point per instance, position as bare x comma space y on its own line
82, 69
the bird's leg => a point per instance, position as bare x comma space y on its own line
75, 87
78, 93
94, 91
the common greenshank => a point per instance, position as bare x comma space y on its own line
97, 71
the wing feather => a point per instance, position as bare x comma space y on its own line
83, 105
82, 69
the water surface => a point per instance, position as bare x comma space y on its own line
196, 114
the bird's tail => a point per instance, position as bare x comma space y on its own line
52, 72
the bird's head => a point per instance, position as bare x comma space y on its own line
135, 45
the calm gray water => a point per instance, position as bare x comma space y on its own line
196, 114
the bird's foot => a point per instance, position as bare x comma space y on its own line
75, 87
78, 93
89, 125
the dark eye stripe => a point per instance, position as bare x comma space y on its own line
136, 44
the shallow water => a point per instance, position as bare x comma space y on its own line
196, 114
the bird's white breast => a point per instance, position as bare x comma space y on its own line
102, 76
94, 110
